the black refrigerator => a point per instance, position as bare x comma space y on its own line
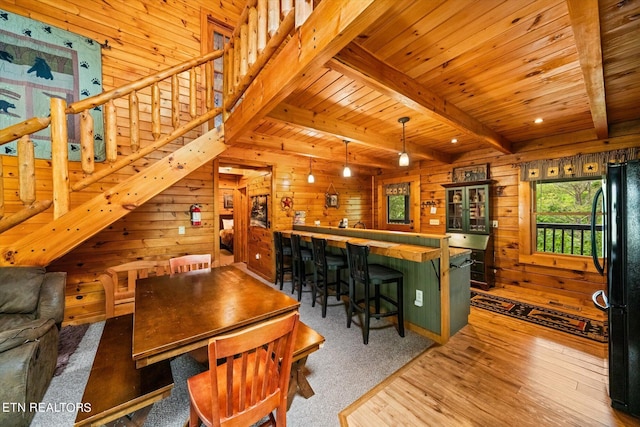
621, 300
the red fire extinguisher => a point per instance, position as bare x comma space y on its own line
196, 215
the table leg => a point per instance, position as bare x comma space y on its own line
298, 381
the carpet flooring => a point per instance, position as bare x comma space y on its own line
340, 372
565, 322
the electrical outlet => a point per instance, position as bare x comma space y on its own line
257, 256
181, 229
418, 301
494, 223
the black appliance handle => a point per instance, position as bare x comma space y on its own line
594, 248
595, 296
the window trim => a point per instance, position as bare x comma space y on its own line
414, 205
526, 232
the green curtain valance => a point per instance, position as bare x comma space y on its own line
578, 166
399, 189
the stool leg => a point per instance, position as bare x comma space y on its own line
302, 278
400, 307
351, 299
377, 300
367, 316
325, 293
314, 290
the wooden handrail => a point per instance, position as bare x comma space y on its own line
94, 101
263, 27
116, 166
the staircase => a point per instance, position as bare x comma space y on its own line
262, 29
71, 226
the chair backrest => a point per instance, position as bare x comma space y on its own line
253, 368
295, 247
119, 283
189, 263
277, 242
319, 253
357, 256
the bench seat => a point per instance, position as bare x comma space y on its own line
115, 387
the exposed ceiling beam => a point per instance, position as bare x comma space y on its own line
238, 154
585, 21
310, 149
327, 31
344, 130
361, 65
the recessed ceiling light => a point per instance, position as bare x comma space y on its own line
538, 120
454, 140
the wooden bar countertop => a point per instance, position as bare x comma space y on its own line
417, 253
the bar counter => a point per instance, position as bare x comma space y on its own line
428, 265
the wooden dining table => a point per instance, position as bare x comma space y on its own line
179, 313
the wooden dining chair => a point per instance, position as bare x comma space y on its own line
250, 379
189, 263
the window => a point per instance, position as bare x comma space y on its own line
221, 36
399, 204
398, 209
562, 214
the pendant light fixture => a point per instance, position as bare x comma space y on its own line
346, 172
404, 157
310, 178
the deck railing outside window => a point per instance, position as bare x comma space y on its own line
573, 239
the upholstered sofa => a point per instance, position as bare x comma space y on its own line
31, 312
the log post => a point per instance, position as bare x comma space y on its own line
226, 70
87, 147
236, 60
155, 111
244, 48
26, 170
59, 156
134, 121
286, 6
175, 101
209, 84
303, 10
111, 142
193, 93
262, 25
253, 36
273, 16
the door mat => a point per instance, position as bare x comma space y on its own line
577, 325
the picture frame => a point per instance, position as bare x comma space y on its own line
332, 200
470, 173
259, 211
227, 201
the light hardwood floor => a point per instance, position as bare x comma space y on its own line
497, 371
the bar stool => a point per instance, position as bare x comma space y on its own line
300, 257
283, 254
361, 272
324, 264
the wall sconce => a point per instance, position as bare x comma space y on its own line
404, 157
346, 172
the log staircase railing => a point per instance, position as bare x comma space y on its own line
123, 98
263, 27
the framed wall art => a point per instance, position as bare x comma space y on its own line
471, 173
227, 200
259, 211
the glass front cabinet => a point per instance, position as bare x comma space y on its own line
468, 208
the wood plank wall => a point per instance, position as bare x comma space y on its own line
140, 38
505, 172
289, 179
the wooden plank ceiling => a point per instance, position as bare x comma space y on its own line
479, 71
